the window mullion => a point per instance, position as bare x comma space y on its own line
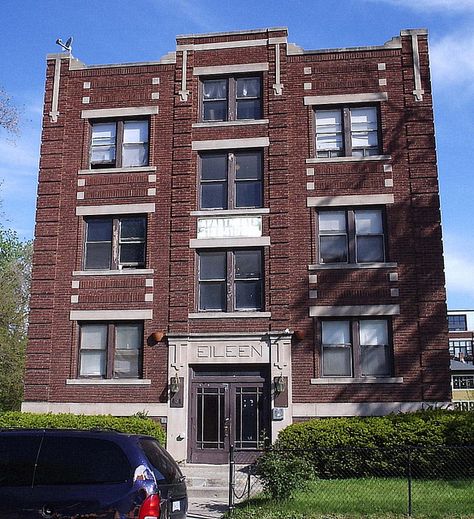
115, 244
231, 176
110, 350
351, 236
232, 99
346, 117
118, 144
230, 282
356, 354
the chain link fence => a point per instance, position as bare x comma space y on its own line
420, 482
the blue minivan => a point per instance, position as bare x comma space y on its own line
70, 474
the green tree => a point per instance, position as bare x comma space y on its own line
15, 277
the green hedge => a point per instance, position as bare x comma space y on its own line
357, 447
132, 425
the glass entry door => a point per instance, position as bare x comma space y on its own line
227, 408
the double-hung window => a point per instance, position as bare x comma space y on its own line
230, 180
356, 348
111, 350
230, 280
114, 243
231, 98
119, 144
351, 236
347, 131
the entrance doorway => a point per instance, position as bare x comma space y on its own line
229, 406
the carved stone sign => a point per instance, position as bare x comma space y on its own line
229, 353
234, 227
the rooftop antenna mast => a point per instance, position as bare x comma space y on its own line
66, 46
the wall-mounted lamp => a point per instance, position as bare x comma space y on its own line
279, 384
174, 384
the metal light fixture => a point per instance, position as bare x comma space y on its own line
174, 384
279, 384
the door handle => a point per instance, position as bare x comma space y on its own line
226, 427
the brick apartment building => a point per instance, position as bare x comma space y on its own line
238, 236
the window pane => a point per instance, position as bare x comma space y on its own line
135, 132
94, 336
134, 155
215, 111
132, 228
248, 109
369, 222
99, 230
212, 265
126, 364
214, 195
212, 296
248, 295
92, 363
103, 143
372, 332
375, 360
248, 264
337, 361
215, 89
128, 336
98, 256
248, 194
336, 332
329, 141
364, 119
329, 132
248, 166
132, 254
214, 167
370, 249
332, 221
248, 87
333, 249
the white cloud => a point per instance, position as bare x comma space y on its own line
447, 6
459, 274
452, 60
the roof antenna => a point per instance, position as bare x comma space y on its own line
66, 46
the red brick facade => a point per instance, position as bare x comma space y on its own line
408, 288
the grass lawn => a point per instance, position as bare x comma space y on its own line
376, 498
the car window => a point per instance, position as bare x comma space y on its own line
160, 460
17, 459
72, 460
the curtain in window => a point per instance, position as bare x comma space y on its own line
103, 143
337, 348
375, 351
135, 143
128, 339
93, 350
215, 89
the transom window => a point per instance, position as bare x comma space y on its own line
231, 180
230, 280
120, 144
115, 243
347, 131
457, 323
356, 348
463, 381
351, 236
110, 350
231, 98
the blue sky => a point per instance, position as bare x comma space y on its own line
113, 31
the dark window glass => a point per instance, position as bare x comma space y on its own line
214, 99
17, 459
248, 98
161, 461
457, 323
212, 277
81, 461
248, 179
214, 181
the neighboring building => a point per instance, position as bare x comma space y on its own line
461, 341
238, 236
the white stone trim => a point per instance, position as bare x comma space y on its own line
101, 171
108, 382
388, 182
370, 97
88, 210
263, 241
119, 112
230, 212
149, 298
75, 283
393, 276
218, 124
353, 310
95, 408
229, 315
110, 315
349, 200
320, 160
74, 299
362, 380
341, 266
54, 113
418, 91
86, 100
230, 69
357, 408
222, 45
122, 272
222, 144
278, 85
184, 92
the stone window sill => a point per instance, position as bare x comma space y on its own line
322, 160
108, 382
230, 212
351, 380
229, 315
123, 272
338, 266
217, 124
99, 171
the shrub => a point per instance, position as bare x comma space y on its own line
132, 425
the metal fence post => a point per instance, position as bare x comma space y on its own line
409, 475
231, 478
